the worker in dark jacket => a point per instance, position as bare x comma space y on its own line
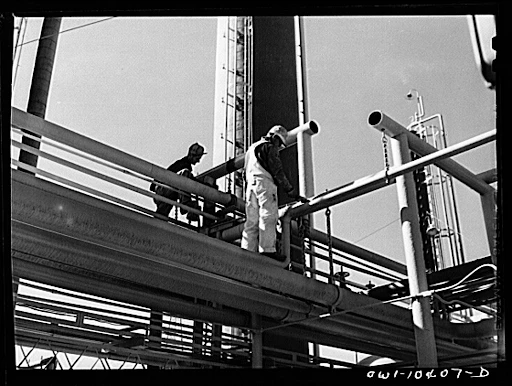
183, 166
263, 173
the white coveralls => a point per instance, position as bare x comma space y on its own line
259, 234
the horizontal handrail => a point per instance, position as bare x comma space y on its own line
26, 121
103, 177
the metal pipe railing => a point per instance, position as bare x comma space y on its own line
58, 133
100, 176
235, 232
379, 180
382, 122
233, 164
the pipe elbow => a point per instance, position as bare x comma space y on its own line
310, 127
463, 331
314, 127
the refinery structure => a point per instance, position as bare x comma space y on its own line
196, 299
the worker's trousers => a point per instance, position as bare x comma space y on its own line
261, 209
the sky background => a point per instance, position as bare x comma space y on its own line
146, 86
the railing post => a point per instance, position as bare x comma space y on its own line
257, 341
421, 313
286, 235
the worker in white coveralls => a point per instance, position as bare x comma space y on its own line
263, 172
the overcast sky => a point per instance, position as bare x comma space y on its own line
146, 86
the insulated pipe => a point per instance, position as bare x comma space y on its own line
421, 312
236, 163
58, 133
137, 236
128, 293
382, 122
40, 214
485, 328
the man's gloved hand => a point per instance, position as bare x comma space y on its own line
282, 211
295, 196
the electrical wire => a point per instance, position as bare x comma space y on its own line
377, 230
67, 30
17, 54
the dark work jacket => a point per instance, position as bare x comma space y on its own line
268, 157
179, 165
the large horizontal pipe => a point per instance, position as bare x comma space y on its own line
67, 137
73, 214
236, 163
380, 121
154, 255
379, 180
131, 294
485, 328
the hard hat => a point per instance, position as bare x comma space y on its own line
280, 131
196, 149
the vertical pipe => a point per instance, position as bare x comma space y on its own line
304, 146
421, 313
286, 235
155, 333
489, 212
41, 80
257, 341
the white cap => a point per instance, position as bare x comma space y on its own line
280, 131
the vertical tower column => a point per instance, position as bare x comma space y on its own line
41, 80
232, 96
